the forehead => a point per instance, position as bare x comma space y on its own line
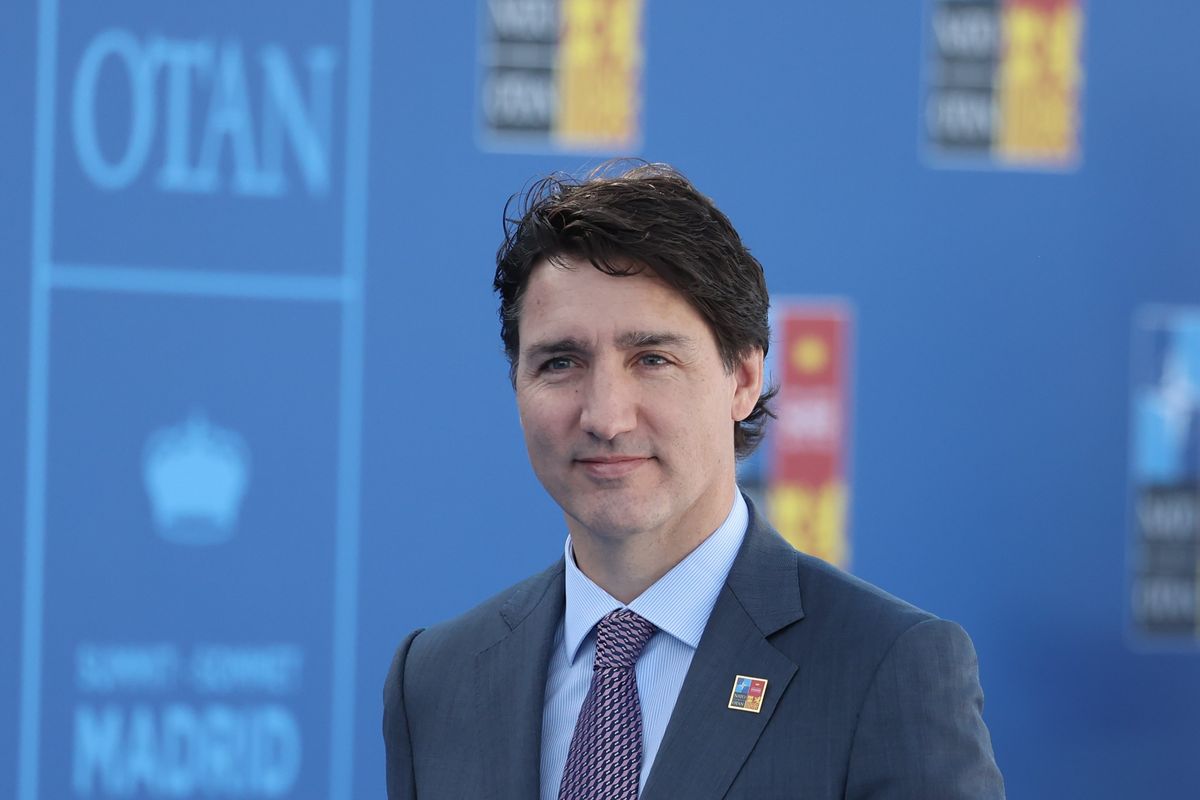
571, 292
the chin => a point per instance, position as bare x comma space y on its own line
616, 520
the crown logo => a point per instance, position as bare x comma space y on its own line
196, 475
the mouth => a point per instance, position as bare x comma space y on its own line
611, 467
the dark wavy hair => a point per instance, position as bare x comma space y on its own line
624, 220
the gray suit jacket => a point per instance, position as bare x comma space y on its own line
867, 696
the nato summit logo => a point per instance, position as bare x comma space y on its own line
1165, 579
1168, 408
196, 475
747, 693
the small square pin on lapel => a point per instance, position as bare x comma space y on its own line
747, 693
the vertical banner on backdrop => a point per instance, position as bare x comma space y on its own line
801, 470
198, 229
1165, 472
561, 74
1004, 80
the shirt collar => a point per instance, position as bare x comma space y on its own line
678, 603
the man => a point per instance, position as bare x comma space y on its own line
680, 648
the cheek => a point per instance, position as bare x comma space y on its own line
543, 421
691, 417
709, 398
710, 424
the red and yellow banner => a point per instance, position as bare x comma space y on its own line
1039, 80
1005, 82
599, 72
562, 74
807, 491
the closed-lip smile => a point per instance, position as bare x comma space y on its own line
609, 467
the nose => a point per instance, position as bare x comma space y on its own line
609, 403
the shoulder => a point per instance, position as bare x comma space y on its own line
868, 623
487, 623
793, 594
444, 652
909, 681
828, 591
852, 625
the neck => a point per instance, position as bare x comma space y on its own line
628, 564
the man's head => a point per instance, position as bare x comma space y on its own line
647, 218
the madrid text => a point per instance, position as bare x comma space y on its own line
156, 720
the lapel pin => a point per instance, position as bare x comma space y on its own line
747, 693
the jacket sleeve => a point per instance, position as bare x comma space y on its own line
920, 733
397, 739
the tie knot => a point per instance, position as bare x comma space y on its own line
620, 638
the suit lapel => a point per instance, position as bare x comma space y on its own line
706, 742
512, 686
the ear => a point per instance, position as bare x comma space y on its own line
748, 383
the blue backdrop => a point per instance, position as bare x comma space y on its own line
255, 422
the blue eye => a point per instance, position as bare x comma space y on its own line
654, 360
557, 364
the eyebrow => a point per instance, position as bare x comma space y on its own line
634, 339
626, 341
558, 346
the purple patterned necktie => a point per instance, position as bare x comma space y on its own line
605, 760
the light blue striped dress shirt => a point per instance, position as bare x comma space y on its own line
679, 604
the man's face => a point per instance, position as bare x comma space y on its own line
627, 408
